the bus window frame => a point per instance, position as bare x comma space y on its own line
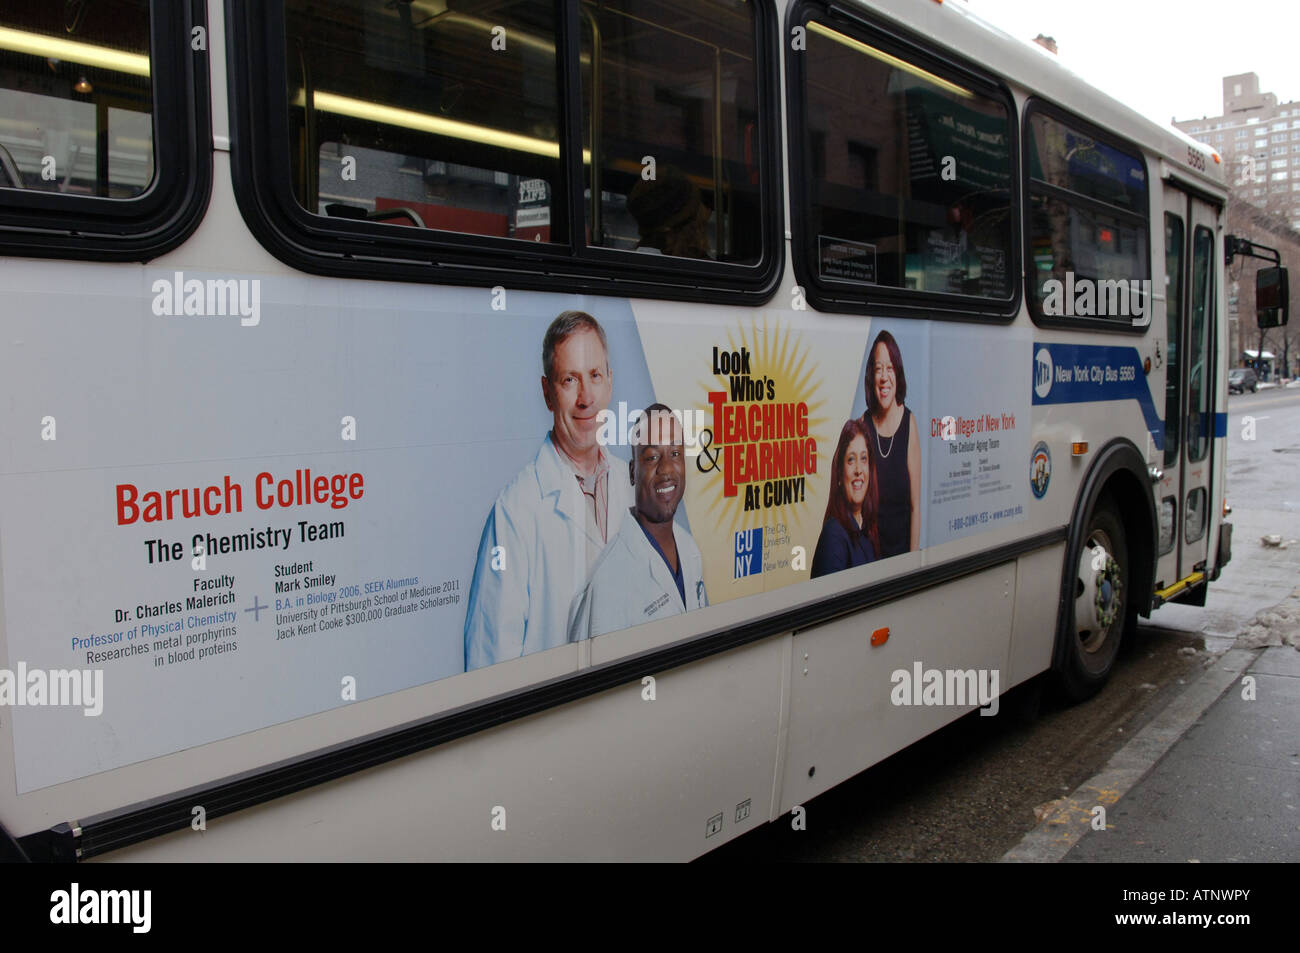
1038, 104
347, 248
1209, 341
40, 224
843, 298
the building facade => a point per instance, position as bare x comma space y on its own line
1259, 141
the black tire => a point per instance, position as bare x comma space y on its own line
1101, 608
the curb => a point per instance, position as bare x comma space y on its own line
1057, 833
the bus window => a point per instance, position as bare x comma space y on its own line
672, 142
1087, 225
1069, 159
909, 172
76, 104
1173, 322
419, 115
1200, 391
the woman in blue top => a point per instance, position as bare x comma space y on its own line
893, 438
849, 536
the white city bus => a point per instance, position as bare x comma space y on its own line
325, 329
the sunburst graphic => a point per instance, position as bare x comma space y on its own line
780, 355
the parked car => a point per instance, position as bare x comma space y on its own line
1241, 379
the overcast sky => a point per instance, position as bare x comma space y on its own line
1165, 58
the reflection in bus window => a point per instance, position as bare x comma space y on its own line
1087, 220
76, 104
1066, 158
423, 115
1083, 241
674, 143
910, 172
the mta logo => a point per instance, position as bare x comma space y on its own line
1042, 372
749, 553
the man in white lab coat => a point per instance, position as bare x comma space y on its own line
652, 569
548, 526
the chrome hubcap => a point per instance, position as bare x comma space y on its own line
1100, 598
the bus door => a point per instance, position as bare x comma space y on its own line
1192, 250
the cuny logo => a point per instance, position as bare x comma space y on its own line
749, 552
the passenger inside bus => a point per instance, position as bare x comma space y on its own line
671, 215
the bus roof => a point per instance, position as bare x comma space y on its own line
1037, 71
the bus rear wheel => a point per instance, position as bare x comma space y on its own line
1100, 609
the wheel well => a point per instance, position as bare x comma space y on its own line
1126, 490
1117, 477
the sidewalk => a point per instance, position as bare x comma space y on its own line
1214, 778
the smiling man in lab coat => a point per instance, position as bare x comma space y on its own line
652, 569
548, 526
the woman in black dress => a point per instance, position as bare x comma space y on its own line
896, 447
849, 536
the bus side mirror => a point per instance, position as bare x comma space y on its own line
1272, 297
